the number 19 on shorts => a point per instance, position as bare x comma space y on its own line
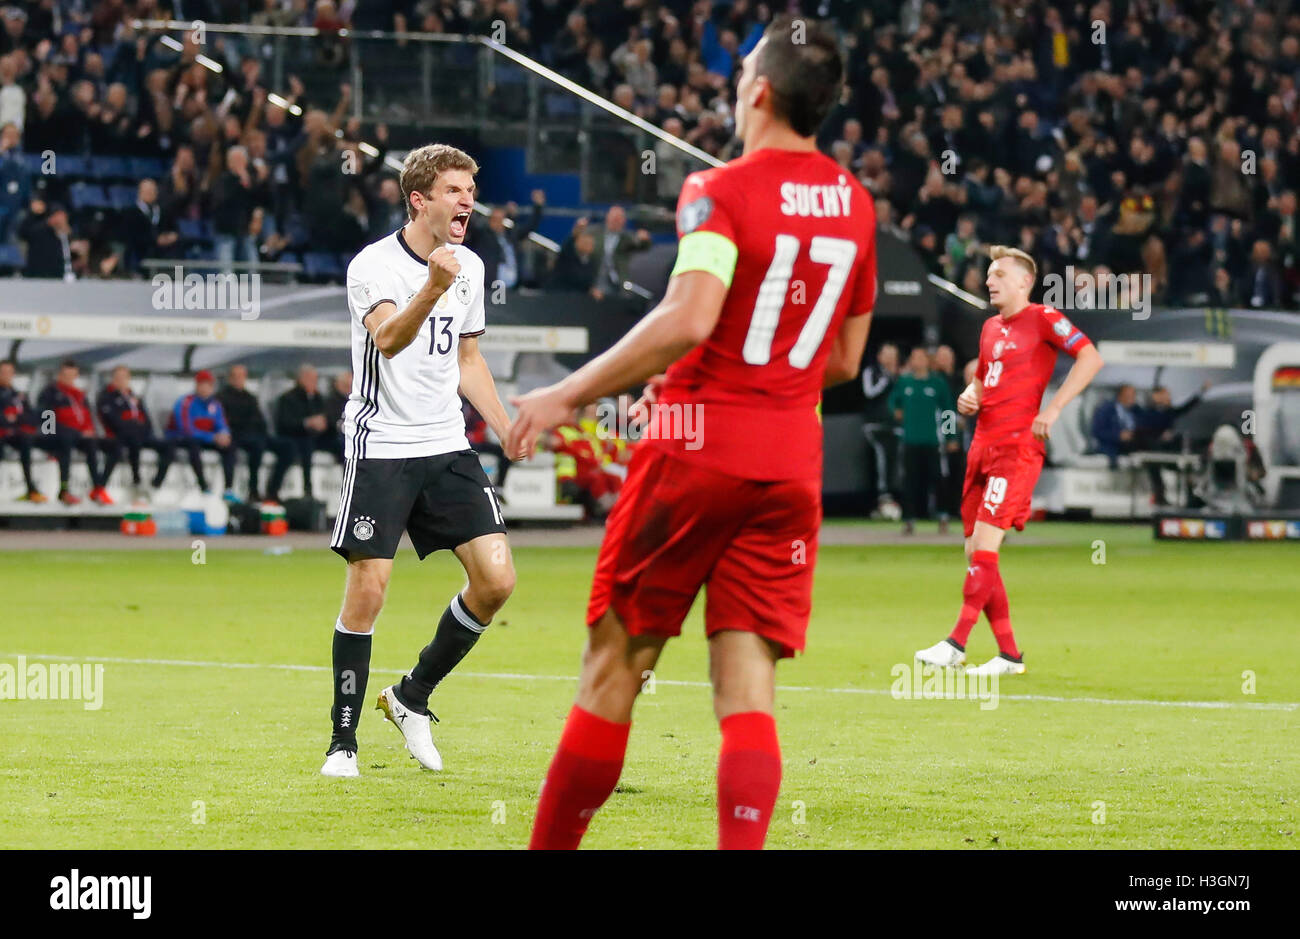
994, 493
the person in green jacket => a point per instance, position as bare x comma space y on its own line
923, 405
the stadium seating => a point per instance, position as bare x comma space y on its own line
322, 265
11, 258
83, 195
108, 168
121, 197
529, 492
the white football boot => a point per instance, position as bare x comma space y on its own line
415, 728
342, 763
998, 665
943, 654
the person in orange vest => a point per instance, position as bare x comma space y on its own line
610, 447
579, 467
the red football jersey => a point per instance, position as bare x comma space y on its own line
805, 235
1017, 358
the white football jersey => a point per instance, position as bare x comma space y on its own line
409, 405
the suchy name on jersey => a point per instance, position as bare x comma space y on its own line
793, 237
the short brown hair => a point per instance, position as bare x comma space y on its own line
1004, 251
802, 61
423, 165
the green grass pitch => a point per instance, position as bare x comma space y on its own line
216, 698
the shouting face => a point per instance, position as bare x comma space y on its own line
446, 208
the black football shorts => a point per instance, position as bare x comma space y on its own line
441, 501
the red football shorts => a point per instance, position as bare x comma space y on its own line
678, 527
1000, 483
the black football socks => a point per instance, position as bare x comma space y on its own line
351, 672
458, 630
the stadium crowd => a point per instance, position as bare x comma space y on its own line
1153, 136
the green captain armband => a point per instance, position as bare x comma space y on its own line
707, 251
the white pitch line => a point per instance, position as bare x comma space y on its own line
519, 676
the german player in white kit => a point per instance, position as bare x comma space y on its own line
416, 300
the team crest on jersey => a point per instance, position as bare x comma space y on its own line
463, 290
1002, 346
1062, 327
694, 214
363, 528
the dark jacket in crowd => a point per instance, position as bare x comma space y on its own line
1110, 420
16, 413
69, 406
141, 226
492, 247
232, 205
243, 413
123, 415
334, 405
877, 386
573, 272
293, 408
45, 249
1154, 422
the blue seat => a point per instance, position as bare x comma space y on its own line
191, 228
296, 230
34, 162
87, 196
321, 264
11, 257
561, 105
146, 168
108, 167
70, 165
121, 197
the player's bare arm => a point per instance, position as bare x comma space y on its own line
392, 330
846, 352
480, 389
1085, 368
683, 319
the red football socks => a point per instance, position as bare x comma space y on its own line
981, 577
999, 613
984, 592
583, 773
749, 775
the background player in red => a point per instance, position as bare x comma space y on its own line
1018, 349
770, 299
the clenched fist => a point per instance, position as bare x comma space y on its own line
968, 402
443, 268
